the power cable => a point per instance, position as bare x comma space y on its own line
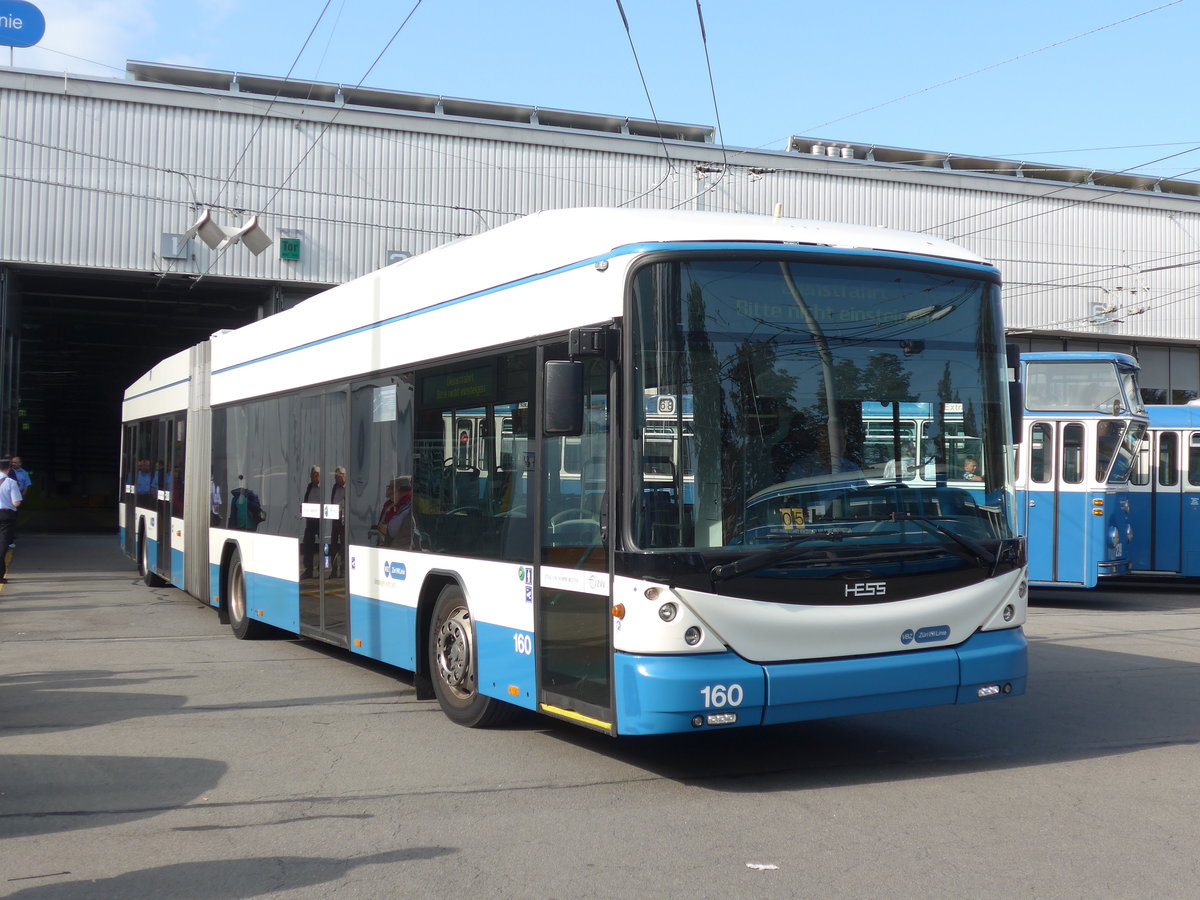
266, 112
645, 87
716, 113
993, 66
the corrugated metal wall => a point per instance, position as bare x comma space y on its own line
93, 172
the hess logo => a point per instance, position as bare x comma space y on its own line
867, 589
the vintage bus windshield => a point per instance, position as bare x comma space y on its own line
792, 383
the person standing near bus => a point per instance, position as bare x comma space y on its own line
10, 503
24, 482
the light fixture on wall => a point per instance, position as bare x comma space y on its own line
218, 237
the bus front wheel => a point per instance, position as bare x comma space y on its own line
454, 663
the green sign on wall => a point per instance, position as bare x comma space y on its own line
289, 248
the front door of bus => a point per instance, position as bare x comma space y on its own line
324, 599
574, 609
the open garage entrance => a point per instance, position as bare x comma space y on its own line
73, 341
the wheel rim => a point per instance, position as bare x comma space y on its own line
237, 593
454, 653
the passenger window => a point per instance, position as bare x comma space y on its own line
1041, 453
1168, 459
1194, 458
471, 458
1072, 471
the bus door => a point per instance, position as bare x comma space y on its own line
1167, 502
170, 497
129, 489
1057, 510
324, 595
573, 613
1141, 505
162, 508
1189, 513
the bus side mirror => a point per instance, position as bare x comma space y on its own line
1016, 410
562, 407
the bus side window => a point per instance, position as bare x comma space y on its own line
1194, 458
1168, 459
1041, 451
1072, 462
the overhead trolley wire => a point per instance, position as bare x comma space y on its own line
997, 65
262, 119
716, 113
645, 87
324, 130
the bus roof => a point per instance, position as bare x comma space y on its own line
1185, 415
1121, 359
564, 241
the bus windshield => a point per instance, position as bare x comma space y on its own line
775, 400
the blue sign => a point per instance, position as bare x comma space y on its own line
21, 24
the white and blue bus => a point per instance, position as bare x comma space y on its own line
1164, 491
453, 466
1084, 420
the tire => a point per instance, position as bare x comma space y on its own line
243, 626
454, 662
148, 577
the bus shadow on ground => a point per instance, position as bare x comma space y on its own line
1163, 595
1081, 704
46, 794
226, 879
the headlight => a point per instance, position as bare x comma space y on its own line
1128, 533
1114, 537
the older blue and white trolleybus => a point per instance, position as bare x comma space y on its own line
609, 465
1084, 420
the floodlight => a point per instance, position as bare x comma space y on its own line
252, 235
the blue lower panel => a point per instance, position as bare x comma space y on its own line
506, 668
387, 631
214, 584
661, 694
274, 601
177, 568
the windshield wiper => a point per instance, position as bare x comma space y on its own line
764, 558
979, 554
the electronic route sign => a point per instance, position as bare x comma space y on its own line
21, 24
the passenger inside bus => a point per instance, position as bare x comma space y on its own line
396, 518
970, 467
907, 465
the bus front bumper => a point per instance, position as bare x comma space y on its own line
666, 694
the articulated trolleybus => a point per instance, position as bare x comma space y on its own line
609, 465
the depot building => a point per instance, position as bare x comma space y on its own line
141, 214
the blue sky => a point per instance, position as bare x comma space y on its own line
1103, 84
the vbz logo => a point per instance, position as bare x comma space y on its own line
867, 589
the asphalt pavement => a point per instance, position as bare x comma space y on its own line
144, 752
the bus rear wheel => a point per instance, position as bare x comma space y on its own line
151, 579
454, 663
244, 627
